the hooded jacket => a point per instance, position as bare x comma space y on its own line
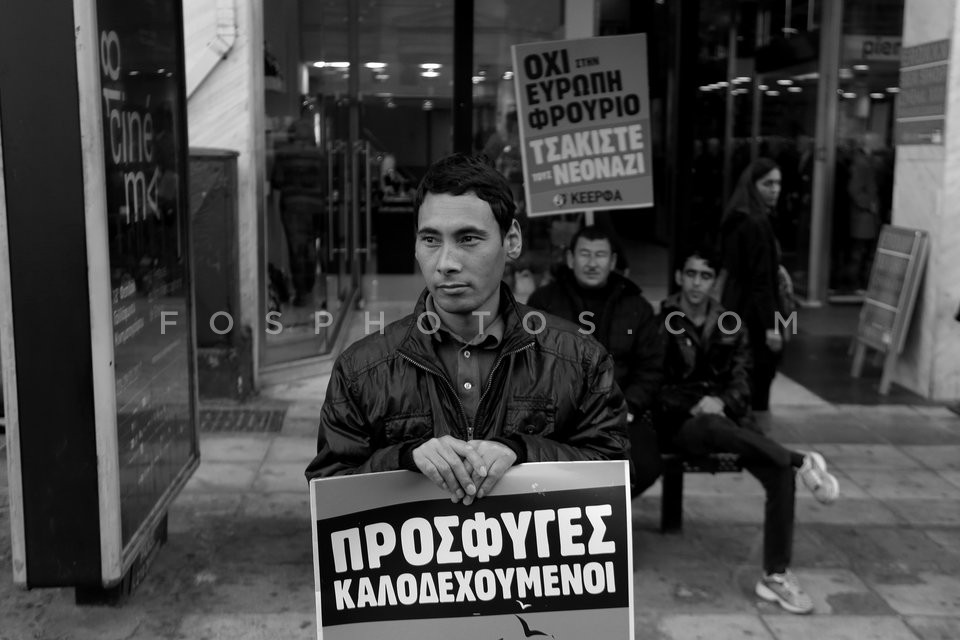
627, 327
703, 361
550, 392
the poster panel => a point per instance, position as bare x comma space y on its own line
144, 138
548, 553
584, 115
893, 288
922, 101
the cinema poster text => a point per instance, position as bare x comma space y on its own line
584, 114
547, 554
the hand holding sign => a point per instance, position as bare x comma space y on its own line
497, 458
442, 461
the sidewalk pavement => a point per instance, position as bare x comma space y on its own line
883, 563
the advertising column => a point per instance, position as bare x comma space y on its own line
144, 145
97, 335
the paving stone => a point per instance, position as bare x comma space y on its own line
934, 595
867, 456
867, 512
281, 476
949, 539
813, 547
903, 484
292, 449
743, 509
646, 626
690, 587
302, 409
935, 412
915, 432
893, 554
652, 548
830, 428
222, 476
246, 626
791, 627
734, 544
934, 628
721, 484
302, 427
191, 509
924, 513
233, 448
953, 477
839, 591
294, 505
713, 627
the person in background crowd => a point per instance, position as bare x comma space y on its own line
749, 281
469, 384
704, 408
612, 308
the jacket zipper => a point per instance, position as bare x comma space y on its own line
493, 370
463, 412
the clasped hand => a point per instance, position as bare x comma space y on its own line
468, 470
708, 404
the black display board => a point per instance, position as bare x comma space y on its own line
96, 307
144, 140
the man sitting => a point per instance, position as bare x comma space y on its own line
612, 309
705, 408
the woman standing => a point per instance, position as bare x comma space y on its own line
750, 261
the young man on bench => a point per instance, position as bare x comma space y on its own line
704, 408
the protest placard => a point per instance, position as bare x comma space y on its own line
548, 551
584, 114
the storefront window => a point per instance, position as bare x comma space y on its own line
496, 132
869, 76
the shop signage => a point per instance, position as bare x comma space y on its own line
921, 103
547, 554
891, 295
584, 115
871, 47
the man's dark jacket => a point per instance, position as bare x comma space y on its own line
703, 361
551, 394
627, 327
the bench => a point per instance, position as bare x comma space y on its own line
674, 466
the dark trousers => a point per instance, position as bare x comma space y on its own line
764, 369
645, 455
766, 460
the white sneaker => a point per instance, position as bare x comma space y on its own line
817, 479
784, 589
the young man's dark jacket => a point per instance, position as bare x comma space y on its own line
550, 396
627, 327
703, 361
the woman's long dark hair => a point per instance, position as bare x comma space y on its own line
745, 197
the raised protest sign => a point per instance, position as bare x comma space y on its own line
547, 553
584, 116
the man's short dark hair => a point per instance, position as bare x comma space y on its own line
591, 233
706, 253
458, 174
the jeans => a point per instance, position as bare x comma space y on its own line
768, 461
